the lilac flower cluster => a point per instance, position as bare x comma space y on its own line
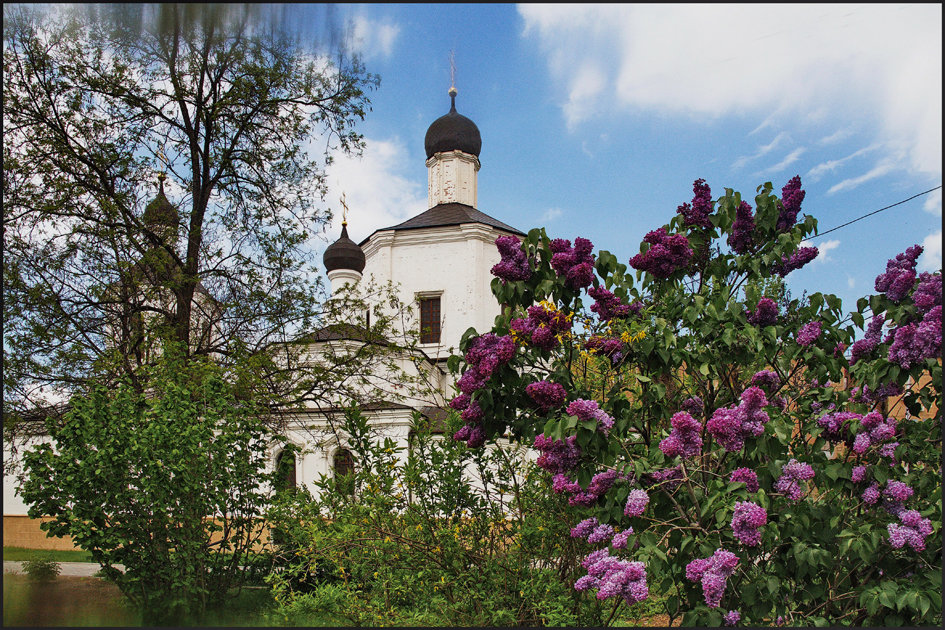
610, 347
747, 520
557, 456
667, 254
731, 618
795, 261
587, 410
547, 395
865, 395
792, 473
808, 333
713, 572
730, 426
613, 577
575, 264
874, 431
765, 313
621, 538
542, 327
913, 531
670, 478
698, 213
915, 342
747, 476
871, 495
897, 280
767, 380
584, 528
862, 348
858, 474
685, 439
600, 484
791, 198
742, 236
485, 354
693, 406
514, 262
895, 494
836, 424
608, 306
928, 294
637, 501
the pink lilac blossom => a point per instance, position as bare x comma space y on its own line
747, 519
742, 237
808, 333
698, 213
637, 501
613, 577
795, 261
746, 476
928, 294
587, 410
913, 530
731, 618
897, 280
547, 395
731, 426
767, 380
791, 198
600, 484
765, 313
557, 456
514, 262
601, 533
792, 474
685, 439
713, 573
668, 253
575, 264
621, 538
607, 305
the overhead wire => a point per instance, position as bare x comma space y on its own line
869, 214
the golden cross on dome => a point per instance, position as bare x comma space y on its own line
160, 153
452, 71
344, 212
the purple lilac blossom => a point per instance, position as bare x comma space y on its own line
575, 264
542, 328
670, 478
601, 533
713, 572
621, 538
607, 305
514, 262
547, 395
914, 342
765, 313
913, 530
584, 528
791, 198
742, 237
637, 501
808, 333
685, 439
795, 261
863, 347
858, 474
600, 484
897, 280
557, 456
587, 410
746, 476
747, 520
767, 380
613, 577
730, 426
871, 495
929, 292
605, 346
698, 213
693, 406
836, 424
731, 618
667, 254
792, 474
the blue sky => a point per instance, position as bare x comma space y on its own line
596, 119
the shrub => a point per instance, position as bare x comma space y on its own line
42, 568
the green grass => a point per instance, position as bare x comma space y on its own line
21, 554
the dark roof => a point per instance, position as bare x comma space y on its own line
343, 254
344, 331
448, 214
452, 132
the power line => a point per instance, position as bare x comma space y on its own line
869, 214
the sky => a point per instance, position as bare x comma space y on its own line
596, 119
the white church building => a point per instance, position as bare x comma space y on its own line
438, 261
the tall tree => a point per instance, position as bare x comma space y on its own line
222, 109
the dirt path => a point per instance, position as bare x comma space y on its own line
64, 601
69, 569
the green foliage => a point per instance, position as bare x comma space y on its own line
42, 567
825, 558
438, 535
170, 483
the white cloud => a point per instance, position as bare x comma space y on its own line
376, 191
373, 39
816, 173
933, 203
837, 136
761, 152
879, 170
823, 249
871, 65
851, 282
550, 215
931, 258
789, 159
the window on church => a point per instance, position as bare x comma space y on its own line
344, 471
430, 320
285, 469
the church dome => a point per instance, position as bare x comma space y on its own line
344, 254
160, 215
452, 132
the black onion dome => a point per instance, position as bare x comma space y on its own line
344, 254
160, 214
452, 132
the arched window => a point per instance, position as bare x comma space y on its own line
343, 466
285, 469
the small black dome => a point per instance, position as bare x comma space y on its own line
452, 132
160, 214
344, 254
